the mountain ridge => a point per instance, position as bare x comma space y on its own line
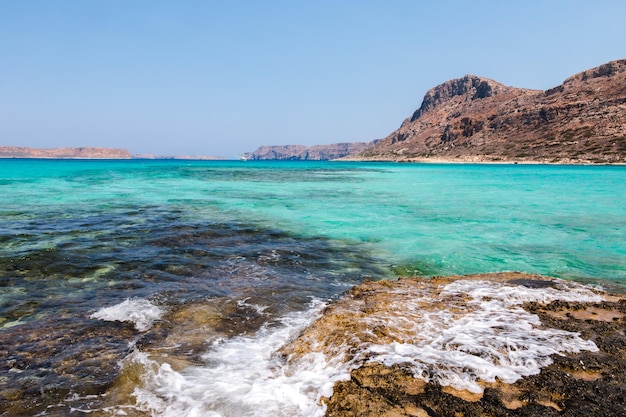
307, 153
476, 119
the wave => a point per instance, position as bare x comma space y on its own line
142, 313
242, 376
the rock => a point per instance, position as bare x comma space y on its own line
64, 153
470, 86
474, 119
506, 344
43, 363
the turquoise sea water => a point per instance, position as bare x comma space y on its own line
78, 236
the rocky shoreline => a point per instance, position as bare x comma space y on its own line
501, 344
581, 372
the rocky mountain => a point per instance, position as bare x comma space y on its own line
64, 153
308, 153
474, 119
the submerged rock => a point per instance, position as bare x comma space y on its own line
506, 344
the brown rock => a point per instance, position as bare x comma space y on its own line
573, 382
474, 119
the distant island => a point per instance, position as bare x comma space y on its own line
475, 119
8, 152
308, 153
64, 153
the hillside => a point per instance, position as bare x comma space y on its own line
307, 153
477, 119
63, 153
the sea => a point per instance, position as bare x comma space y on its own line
167, 287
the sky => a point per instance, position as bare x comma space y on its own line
222, 78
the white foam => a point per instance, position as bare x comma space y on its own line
485, 336
142, 313
477, 332
256, 307
518, 294
243, 376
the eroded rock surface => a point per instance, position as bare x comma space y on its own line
505, 344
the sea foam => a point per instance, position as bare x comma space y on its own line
142, 313
477, 332
242, 376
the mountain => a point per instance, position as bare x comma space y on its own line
63, 153
475, 119
306, 153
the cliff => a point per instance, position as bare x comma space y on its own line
477, 119
306, 153
64, 153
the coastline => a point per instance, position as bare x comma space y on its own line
478, 160
508, 343
492, 344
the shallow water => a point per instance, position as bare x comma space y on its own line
258, 242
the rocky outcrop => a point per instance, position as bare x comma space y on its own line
64, 153
472, 118
505, 344
306, 153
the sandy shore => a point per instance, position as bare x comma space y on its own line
479, 160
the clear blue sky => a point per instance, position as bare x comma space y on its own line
222, 78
